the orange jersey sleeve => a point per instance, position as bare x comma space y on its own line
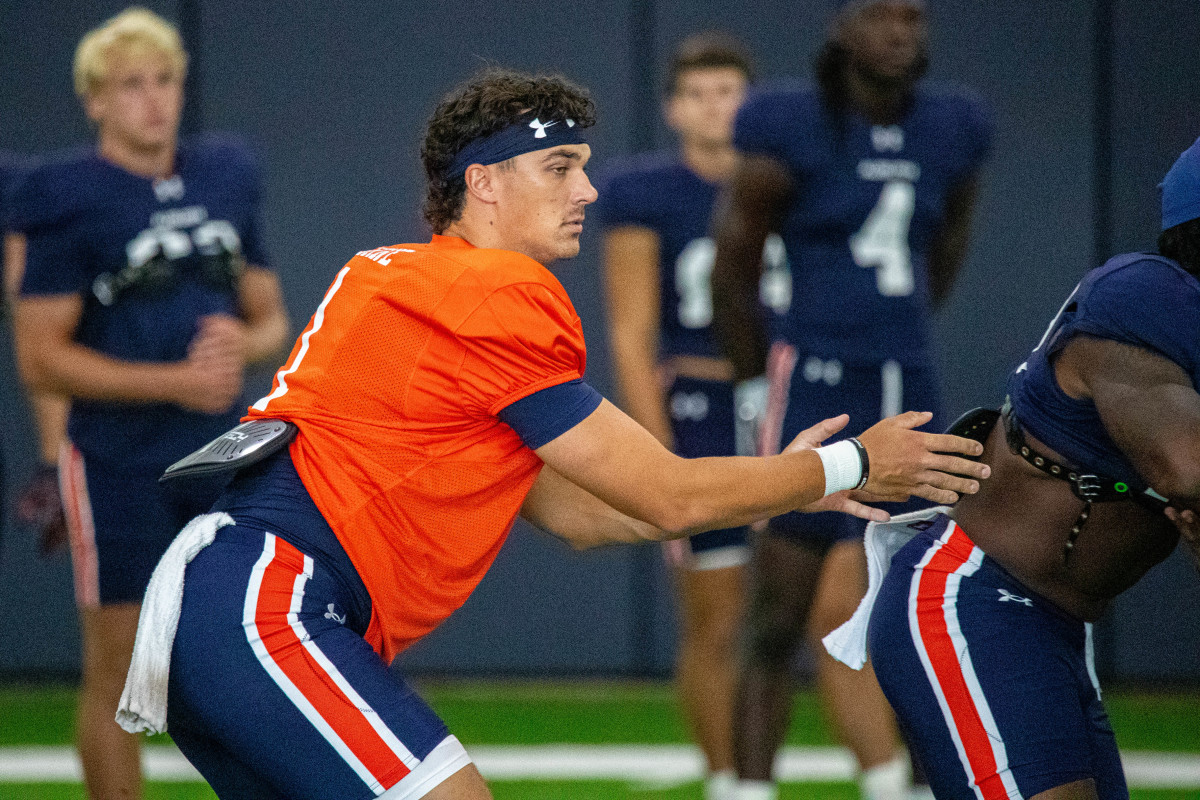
395, 385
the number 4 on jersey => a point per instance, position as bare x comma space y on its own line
882, 241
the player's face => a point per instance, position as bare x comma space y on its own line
540, 201
704, 105
886, 38
140, 102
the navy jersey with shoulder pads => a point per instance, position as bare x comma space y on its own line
659, 192
867, 203
1138, 299
91, 225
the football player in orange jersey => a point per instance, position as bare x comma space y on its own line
436, 393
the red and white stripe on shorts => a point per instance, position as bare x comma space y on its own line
81, 527
942, 648
308, 678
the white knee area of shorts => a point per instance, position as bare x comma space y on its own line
756, 790
890, 780
720, 785
442, 762
843, 467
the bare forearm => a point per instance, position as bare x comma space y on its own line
260, 298
751, 207
945, 262
637, 380
692, 496
736, 317
265, 337
949, 248
73, 370
712, 493
562, 508
50, 412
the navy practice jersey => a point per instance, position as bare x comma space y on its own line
867, 203
658, 192
148, 258
1139, 299
11, 169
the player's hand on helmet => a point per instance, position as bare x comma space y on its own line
211, 377
39, 506
905, 462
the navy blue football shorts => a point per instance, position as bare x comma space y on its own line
805, 389
274, 693
994, 686
119, 523
702, 424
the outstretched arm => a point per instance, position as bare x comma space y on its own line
750, 208
611, 458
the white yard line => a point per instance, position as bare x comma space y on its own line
651, 764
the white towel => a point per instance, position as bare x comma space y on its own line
144, 702
848, 643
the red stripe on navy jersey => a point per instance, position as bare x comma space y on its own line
944, 658
287, 650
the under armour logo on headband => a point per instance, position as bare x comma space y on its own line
513, 140
540, 127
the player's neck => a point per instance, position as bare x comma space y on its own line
714, 163
149, 162
478, 229
881, 102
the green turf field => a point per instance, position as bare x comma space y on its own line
587, 713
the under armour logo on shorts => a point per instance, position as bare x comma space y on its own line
1009, 596
332, 614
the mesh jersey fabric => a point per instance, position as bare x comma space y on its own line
395, 385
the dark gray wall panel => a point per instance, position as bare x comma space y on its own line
1032, 232
1156, 82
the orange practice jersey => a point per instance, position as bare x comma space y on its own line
395, 385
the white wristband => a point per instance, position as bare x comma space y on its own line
843, 466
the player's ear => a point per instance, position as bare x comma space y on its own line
670, 112
481, 183
94, 106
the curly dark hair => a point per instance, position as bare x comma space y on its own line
708, 50
830, 65
1181, 244
488, 102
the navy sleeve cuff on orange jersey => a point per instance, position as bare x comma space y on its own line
547, 414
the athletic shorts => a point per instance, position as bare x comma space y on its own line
274, 693
995, 686
702, 424
805, 389
119, 523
